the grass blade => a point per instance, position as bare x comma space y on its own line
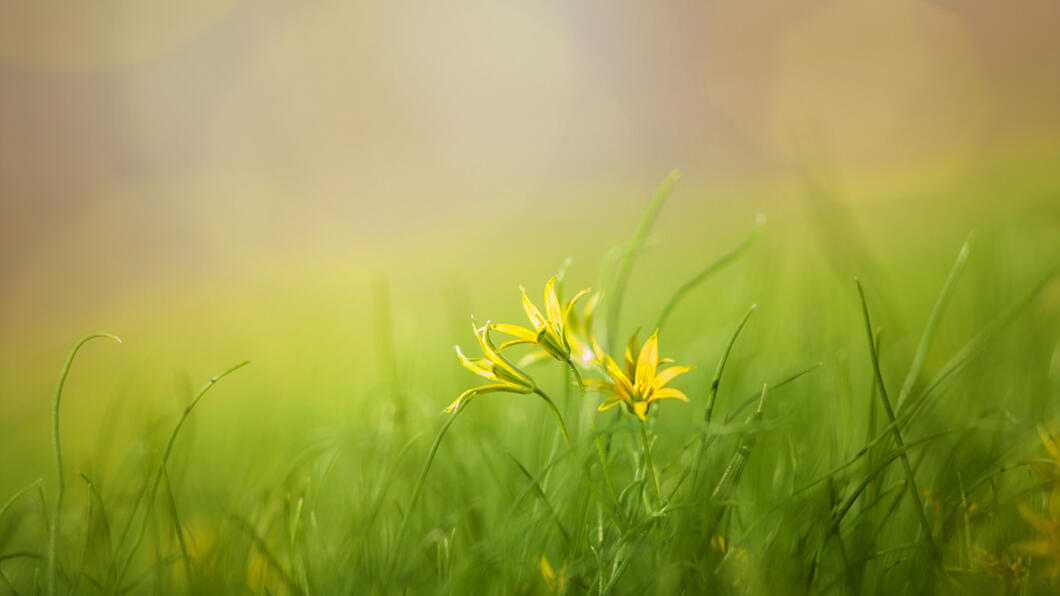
933, 321
712, 397
149, 504
18, 495
910, 477
53, 532
711, 269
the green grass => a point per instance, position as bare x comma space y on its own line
842, 436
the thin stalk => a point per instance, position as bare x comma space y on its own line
910, 476
711, 269
53, 531
555, 412
149, 504
649, 465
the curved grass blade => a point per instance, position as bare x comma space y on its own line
716, 381
710, 270
18, 495
153, 492
53, 531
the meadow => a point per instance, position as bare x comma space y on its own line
871, 409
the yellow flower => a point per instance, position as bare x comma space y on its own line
641, 382
493, 367
549, 330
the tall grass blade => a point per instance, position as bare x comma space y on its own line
933, 321
60, 481
910, 477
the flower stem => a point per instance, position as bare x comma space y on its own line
648, 463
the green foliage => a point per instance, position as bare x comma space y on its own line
803, 462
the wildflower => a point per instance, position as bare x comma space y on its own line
549, 330
641, 382
493, 367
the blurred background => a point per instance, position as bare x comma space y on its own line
312, 184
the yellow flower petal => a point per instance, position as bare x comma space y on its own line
621, 381
479, 366
632, 352
668, 375
647, 362
610, 402
598, 384
512, 342
474, 392
516, 331
552, 308
570, 305
667, 393
532, 313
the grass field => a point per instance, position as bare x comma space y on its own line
894, 434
